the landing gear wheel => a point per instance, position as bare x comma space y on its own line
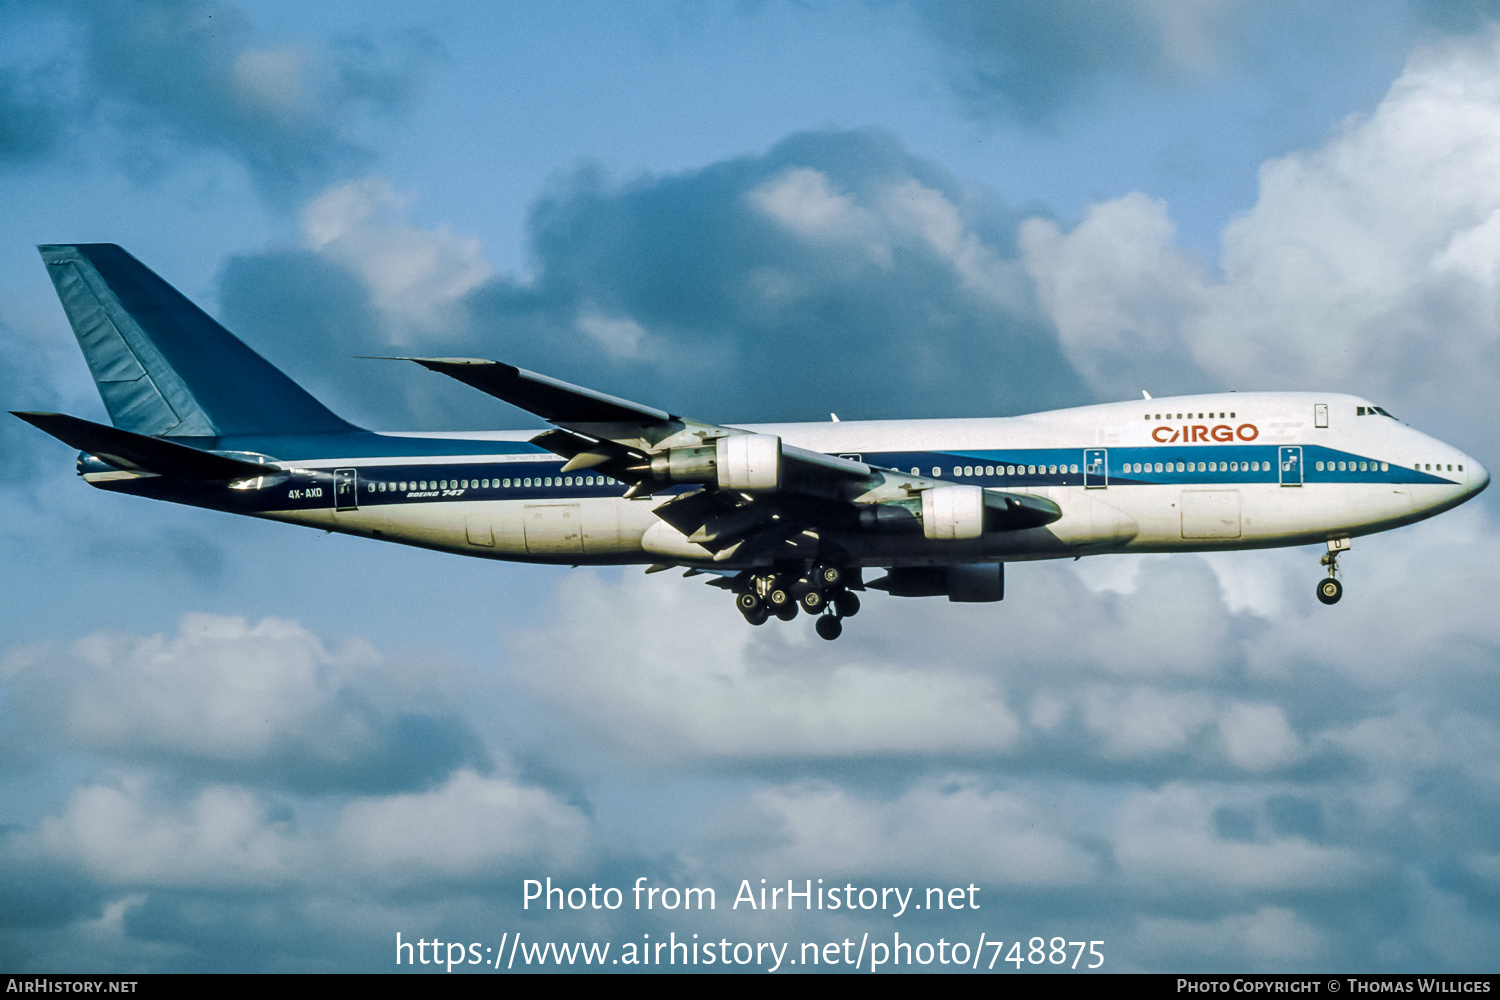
829, 627
1330, 590
830, 577
747, 603
757, 617
778, 598
787, 612
813, 602
846, 604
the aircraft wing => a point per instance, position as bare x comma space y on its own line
546, 397
754, 491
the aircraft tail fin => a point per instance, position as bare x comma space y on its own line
165, 367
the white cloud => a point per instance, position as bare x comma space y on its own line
1416, 608
260, 698
686, 676
947, 829
1144, 722
136, 832
1116, 287
901, 213
1258, 737
133, 834
1366, 264
1165, 842
1413, 740
618, 337
1272, 937
416, 277
471, 827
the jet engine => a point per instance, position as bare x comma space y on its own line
749, 462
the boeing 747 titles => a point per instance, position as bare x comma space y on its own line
783, 516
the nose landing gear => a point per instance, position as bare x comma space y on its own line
1330, 589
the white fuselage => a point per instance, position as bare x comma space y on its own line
1190, 473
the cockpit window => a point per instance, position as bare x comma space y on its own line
1371, 411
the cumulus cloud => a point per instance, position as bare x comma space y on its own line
133, 834
415, 277
674, 690
1167, 842
137, 832
943, 829
471, 828
1368, 264
1131, 335
225, 697
835, 272
1272, 938
193, 73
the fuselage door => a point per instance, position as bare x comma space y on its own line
553, 529
346, 489
1289, 460
1320, 414
1096, 468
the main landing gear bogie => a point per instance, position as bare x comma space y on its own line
821, 593
1329, 588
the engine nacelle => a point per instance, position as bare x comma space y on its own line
686, 465
749, 462
953, 513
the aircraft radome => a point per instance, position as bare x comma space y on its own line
783, 516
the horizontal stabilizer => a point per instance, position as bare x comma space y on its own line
139, 453
548, 398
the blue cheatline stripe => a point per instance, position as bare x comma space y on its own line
1218, 466
496, 478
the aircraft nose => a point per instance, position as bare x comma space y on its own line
1479, 477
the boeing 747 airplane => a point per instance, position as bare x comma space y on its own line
781, 515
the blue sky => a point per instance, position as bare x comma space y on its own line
232, 745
